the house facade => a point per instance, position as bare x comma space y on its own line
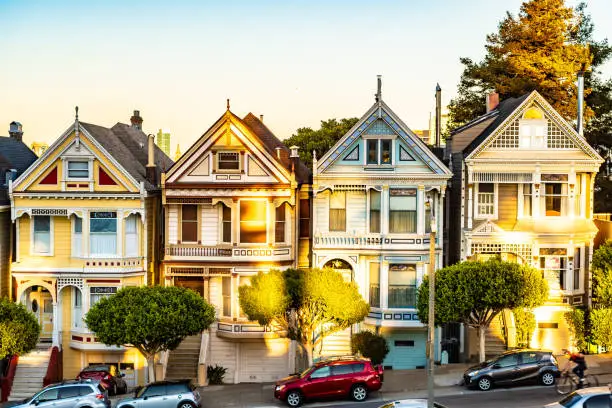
523, 189
374, 194
15, 158
87, 220
236, 203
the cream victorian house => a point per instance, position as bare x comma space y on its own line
374, 194
87, 219
236, 203
523, 189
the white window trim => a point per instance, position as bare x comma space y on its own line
73, 237
565, 200
118, 243
378, 150
125, 241
241, 166
89, 162
286, 224
239, 238
220, 218
477, 215
51, 238
80, 325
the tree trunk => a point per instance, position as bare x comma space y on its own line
309, 351
151, 367
481, 337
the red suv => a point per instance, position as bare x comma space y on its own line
346, 376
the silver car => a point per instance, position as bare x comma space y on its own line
592, 397
68, 394
164, 394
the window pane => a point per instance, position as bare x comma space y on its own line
78, 225
253, 221
304, 218
190, 212
486, 187
78, 169
42, 223
402, 285
42, 234
131, 236
226, 291
372, 148
69, 392
228, 161
385, 151
374, 284
402, 211
374, 211
337, 200
189, 223
103, 233
527, 208
279, 231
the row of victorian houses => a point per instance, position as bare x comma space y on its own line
104, 208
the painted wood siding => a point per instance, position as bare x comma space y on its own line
172, 224
264, 361
322, 208
223, 352
507, 204
216, 295
210, 225
5, 252
356, 212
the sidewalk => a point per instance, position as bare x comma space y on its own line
398, 384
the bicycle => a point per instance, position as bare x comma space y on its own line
568, 382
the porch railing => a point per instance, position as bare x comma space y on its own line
197, 250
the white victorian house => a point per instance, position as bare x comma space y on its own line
371, 219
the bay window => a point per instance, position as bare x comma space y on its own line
253, 221
374, 211
103, 233
402, 211
337, 211
402, 289
42, 234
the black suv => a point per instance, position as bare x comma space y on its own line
513, 367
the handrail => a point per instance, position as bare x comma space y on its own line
7, 382
54, 369
203, 348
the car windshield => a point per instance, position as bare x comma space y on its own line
95, 369
140, 391
570, 400
306, 372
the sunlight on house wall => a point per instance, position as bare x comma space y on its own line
552, 331
276, 347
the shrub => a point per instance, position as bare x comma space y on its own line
601, 322
575, 318
525, 323
215, 374
370, 345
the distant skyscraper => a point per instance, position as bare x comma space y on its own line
163, 141
432, 127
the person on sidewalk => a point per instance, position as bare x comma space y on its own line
580, 365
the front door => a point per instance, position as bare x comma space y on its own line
41, 304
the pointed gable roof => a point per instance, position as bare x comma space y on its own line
14, 154
129, 147
380, 110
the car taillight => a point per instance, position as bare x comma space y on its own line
107, 377
100, 396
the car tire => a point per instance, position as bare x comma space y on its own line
185, 404
359, 392
485, 384
547, 378
294, 398
114, 389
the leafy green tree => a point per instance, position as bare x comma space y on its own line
576, 320
601, 322
525, 322
542, 48
370, 345
19, 329
602, 274
474, 293
307, 305
320, 140
150, 318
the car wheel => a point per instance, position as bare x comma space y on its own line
114, 388
294, 399
485, 384
359, 392
185, 404
547, 378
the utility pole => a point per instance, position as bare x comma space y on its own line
432, 295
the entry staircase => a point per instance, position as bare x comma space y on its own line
183, 361
30, 373
495, 343
337, 344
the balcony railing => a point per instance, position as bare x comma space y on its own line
375, 295
197, 250
347, 240
402, 296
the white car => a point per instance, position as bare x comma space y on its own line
409, 403
593, 397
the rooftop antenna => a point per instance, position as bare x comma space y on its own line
378, 88
76, 126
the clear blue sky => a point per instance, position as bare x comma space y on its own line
295, 62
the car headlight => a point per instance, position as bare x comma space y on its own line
279, 387
473, 373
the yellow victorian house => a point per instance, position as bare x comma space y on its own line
87, 219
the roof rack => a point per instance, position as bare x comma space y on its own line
326, 359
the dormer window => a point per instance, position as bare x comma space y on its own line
379, 151
78, 170
228, 162
533, 128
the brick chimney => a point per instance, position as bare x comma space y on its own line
15, 131
136, 120
492, 101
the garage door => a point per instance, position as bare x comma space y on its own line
264, 361
406, 350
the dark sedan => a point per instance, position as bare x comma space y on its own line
107, 375
513, 367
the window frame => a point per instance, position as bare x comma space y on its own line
190, 221
68, 169
413, 194
370, 211
477, 214
133, 235
280, 225
33, 236
410, 268
378, 141
222, 234
337, 229
226, 297
304, 204
218, 155
91, 234
77, 237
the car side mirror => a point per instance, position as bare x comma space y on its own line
35, 402
122, 374
145, 398
309, 378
